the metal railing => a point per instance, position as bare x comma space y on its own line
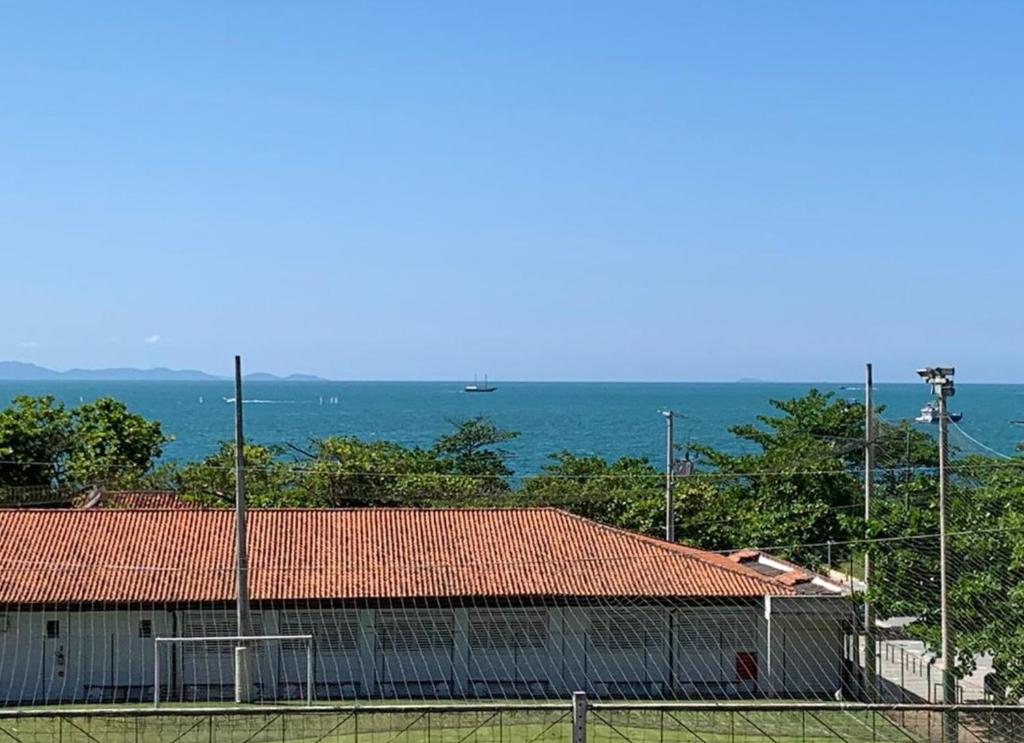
564, 722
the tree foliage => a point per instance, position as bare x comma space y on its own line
796, 481
109, 444
461, 468
628, 492
99, 442
35, 433
985, 526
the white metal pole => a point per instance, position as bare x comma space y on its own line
309, 672
670, 511
156, 673
869, 463
950, 734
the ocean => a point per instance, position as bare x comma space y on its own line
607, 419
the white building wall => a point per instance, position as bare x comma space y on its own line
367, 651
93, 656
575, 664
627, 650
460, 653
415, 652
708, 644
101, 656
28, 660
811, 656
506, 651
337, 659
557, 676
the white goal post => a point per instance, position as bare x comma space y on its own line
240, 641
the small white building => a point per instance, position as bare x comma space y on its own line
402, 603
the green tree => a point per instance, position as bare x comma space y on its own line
96, 443
796, 482
269, 481
472, 450
985, 524
111, 446
348, 472
34, 434
628, 492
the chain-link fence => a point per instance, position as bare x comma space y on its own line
519, 723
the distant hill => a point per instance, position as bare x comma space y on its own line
22, 372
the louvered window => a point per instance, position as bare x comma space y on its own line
201, 624
507, 630
622, 631
707, 631
332, 631
737, 632
411, 631
691, 635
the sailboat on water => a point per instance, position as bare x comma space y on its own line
476, 387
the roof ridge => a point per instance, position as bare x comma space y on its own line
678, 550
295, 509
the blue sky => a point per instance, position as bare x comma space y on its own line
605, 191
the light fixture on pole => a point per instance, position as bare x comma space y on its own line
673, 468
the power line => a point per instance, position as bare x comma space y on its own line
979, 443
337, 469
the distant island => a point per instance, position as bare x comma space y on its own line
11, 371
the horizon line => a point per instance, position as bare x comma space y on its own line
283, 378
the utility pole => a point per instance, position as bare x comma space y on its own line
243, 681
870, 660
670, 509
941, 380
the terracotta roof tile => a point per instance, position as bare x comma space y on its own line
130, 555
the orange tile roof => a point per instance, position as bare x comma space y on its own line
126, 555
790, 574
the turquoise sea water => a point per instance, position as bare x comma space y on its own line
609, 419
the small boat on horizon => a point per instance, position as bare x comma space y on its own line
476, 387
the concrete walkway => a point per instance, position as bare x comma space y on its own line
907, 665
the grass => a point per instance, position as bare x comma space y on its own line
639, 726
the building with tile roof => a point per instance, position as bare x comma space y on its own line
401, 603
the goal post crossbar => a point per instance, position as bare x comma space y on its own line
232, 638
307, 639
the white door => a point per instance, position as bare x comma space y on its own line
57, 679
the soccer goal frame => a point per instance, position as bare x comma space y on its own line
240, 649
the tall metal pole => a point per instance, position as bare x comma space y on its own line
869, 464
243, 684
670, 509
950, 734
941, 380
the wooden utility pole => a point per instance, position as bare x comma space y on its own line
670, 510
870, 659
243, 681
